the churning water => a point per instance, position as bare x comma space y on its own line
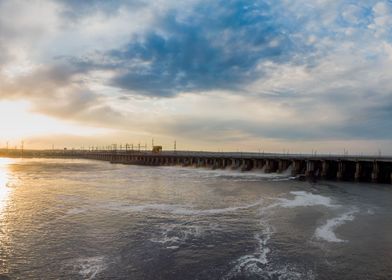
79, 219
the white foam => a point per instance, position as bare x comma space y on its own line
178, 209
287, 172
258, 264
290, 272
250, 268
172, 236
303, 199
90, 267
192, 211
172, 247
254, 174
283, 179
255, 263
327, 231
142, 208
371, 212
165, 239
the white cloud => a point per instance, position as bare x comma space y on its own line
341, 74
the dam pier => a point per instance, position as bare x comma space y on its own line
326, 167
376, 169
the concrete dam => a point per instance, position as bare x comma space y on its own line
376, 169
327, 167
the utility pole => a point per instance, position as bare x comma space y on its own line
175, 145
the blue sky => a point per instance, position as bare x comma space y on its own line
249, 75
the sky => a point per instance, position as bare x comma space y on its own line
232, 75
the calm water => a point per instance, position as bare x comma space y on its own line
79, 219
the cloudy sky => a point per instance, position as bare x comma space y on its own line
272, 75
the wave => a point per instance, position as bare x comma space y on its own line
327, 231
228, 173
253, 264
172, 236
303, 199
258, 264
90, 267
178, 209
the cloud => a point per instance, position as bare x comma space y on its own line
75, 11
291, 70
198, 50
382, 19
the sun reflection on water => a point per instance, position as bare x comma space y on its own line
4, 178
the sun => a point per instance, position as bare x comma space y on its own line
18, 122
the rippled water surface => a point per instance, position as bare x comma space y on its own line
79, 219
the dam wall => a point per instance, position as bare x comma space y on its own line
344, 168
374, 169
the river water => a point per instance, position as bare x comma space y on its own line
81, 219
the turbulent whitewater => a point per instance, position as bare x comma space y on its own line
80, 219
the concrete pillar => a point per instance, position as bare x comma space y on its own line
358, 171
309, 168
324, 169
341, 169
214, 163
296, 167
375, 172
269, 166
245, 165
242, 165
282, 166
233, 163
255, 163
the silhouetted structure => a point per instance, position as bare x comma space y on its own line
330, 167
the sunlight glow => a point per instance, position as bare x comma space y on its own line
4, 177
17, 122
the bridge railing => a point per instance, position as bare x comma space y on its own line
253, 155
184, 153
